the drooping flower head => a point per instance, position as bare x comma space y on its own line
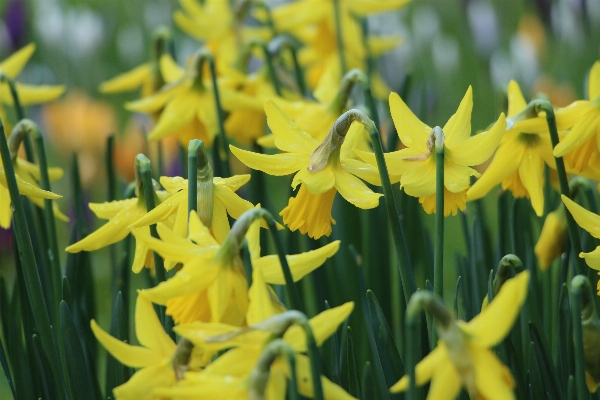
320, 170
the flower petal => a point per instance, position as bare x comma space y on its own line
445, 383
458, 127
323, 325
233, 203
149, 330
233, 183
592, 258
316, 182
531, 172
516, 101
495, 322
593, 81
479, 148
30, 94
161, 212
142, 384
288, 137
261, 304
493, 380
220, 222
300, 264
420, 181
354, 190
584, 218
331, 391
177, 114
276, 164
133, 356
412, 132
130, 80
13, 65
219, 294
581, 132
424, 369
169, 69
457, 177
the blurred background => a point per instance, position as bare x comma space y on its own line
548, 46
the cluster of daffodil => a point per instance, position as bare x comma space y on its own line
219, 317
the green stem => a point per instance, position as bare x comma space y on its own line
438, 262
200, 178
349, 79
339, 35
268, 60
202, 57
284, 42
142, 164
20, 114
315, 362
576, 285
545, 106
32, 280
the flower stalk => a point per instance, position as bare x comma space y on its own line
200, 182
258, 379
20, 113
268, 61
580, 290
281, 42
339, 35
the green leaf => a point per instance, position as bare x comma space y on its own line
546, 366
368, 391
349, 368
116, 373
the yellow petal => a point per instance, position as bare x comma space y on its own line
161, 212
424, 369
261, 304
204, 386
365, 7
172, 247
220, 222
5, 211
584, 218
28, 189
133, 356
323, 325
288, 137
495, 322
142, 384
479, 148
458, 127
13, 65
111, 232
516, 101
505, 163
493, 380
317, 182
194, 277
178, 113
127, 81
277, 164
331, 391
592, 259
457, 177
219, 294
567, 116
200, 233
233, 203
593, 81
234, 182
445, 383
155, 102
149, 330
354, 190
300, 264
412, 132
29, 94
420, 181
531, 172
169, 69
583, 130
236, 362
140, 256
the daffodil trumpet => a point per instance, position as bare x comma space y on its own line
202, 56
281, 42
245, 55
200, 182
143, 175
580, 295
22, 129
33, 285
538, 106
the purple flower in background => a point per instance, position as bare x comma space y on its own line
15, 20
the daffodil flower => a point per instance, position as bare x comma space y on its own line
121, 215
552, 238
310, 210
463, 356
313, 21
189, 105
416, 164
525, 147
265, 320
225, 201
590, 222
581, 142
212, 286
28, 94
27, 187
154, 356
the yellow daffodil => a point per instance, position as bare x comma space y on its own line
463, 356
590, 222
581, 142
189, 106
265, 320
416, 164
552, 238
121, 215
313, 21
310, 210
27, 187
525, 147
225, 202
154, 356
212, 286
28, 94
138, 77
